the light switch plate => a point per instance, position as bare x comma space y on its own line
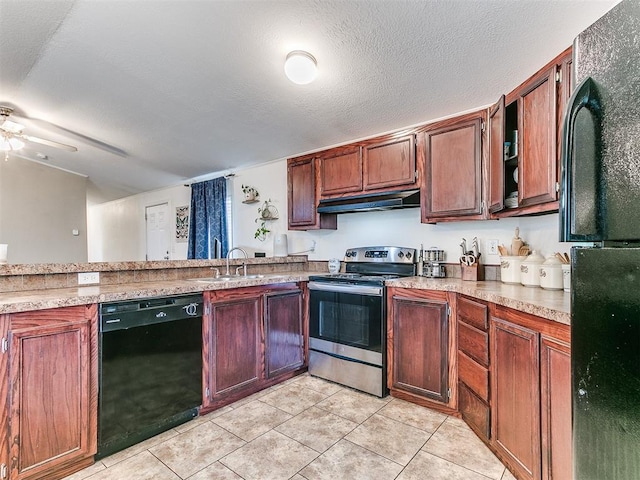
88, 278
493, 247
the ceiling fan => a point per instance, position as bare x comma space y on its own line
12, 138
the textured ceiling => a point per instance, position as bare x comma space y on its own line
157, 92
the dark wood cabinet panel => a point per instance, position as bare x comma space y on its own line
515, 396
474, 375
475, 412
302, 198
496, 156
555, 389
391, 163
341, 173
235, 340
420, 347
474, 343
473, 312
53, 391
283, 332
537, 166
453, 168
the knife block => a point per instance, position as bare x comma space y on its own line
472, 273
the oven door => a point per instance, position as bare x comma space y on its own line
347, 320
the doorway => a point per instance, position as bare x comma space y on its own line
158, 232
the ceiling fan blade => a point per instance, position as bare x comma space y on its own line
50, 143
12, 127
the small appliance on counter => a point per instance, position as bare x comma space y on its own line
433, 259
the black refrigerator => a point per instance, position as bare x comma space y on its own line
600, 208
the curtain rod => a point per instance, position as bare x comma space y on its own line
227, 177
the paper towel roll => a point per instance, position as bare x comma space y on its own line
3, 252
280, 247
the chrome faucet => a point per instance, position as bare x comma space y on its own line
229, 256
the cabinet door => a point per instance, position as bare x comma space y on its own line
515, 395
235, 339
302, 197
390, 164
537, 165
420, 347
453, 168
284, 347
53, 391
341, 173
555, 386
496, 156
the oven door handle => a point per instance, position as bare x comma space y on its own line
351, 288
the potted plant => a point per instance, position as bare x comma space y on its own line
250, 193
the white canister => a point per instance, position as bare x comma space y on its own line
566, 277
551, 274
530, 270
333, 265
510, 268
3, 252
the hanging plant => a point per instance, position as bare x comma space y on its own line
265, 213
262, 231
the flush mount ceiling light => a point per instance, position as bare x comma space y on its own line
300, 67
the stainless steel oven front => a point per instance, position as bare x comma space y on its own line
347, 333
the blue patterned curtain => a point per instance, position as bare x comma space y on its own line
207, 218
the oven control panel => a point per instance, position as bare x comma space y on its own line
381, 254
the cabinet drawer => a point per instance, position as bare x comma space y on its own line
474, 342
473, 313
474, 411
474, 375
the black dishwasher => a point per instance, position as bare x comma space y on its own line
150, 368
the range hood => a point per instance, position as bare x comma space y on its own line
371, 202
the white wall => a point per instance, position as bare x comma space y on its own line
40, 207
117, 230
399, 227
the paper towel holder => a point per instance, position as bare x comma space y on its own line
280, 246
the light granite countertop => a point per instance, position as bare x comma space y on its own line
550, 304
553, 305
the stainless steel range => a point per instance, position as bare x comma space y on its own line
347, 317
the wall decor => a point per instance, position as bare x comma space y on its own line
182, 224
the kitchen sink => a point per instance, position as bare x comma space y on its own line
226, 278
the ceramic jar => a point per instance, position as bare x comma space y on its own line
551, 274
530, 270
510, 268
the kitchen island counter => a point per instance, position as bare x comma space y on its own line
550, 304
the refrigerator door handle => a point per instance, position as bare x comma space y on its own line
581, 196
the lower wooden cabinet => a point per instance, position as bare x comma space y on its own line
52, 398
252, 338
419, 344
235, 342
531, 394
516, 395
283, 332
555, 392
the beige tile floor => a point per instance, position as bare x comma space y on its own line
307, 428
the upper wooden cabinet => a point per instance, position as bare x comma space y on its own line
302, 196
452, 152
52, 415
524, 142
387, 163
341, 173
391, 163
